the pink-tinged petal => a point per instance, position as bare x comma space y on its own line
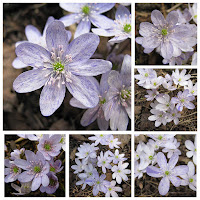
101, 21
121, 12
89, 116
84, 90
75, 103
83, 47
36, 183
92, 67
72, 7
173, 160
21, 163
108, 108
180, 170
45, 180
172, 18
56, 36
189, 145
114, 118
33, 34
51, 97
157, 18
25, 177
83, 27
31, 54
154, 171
30, 81
70, 19
163, 187
161, 160
18, 64
103, 32
175, 181
167, 50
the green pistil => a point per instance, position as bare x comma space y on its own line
182, 100
192, 91
47, 147
104, 162
98, 182
195, 150
15, 170
58, 67
195, 16
166, 173
102, 101
109, 189
150, 157
179, 79
62, 140
101, 135
160, 115
160, 137
116, 156
52, 169
111, 141
127, 28
191, 180
164, 31
37, 169
86, 10
118, 171
167, 105
146, 74
90, 173
125, 94
173, 114
155, 84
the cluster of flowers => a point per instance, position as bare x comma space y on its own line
166, 109
58, 64
148, 159
172, 37
40, 168
87, 162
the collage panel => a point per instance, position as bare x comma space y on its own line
34, 165
67, 66
166, 33
100, 165
165, 165
165, 99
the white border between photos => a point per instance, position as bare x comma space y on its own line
93, 132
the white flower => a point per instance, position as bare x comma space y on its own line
99, 138
17, 154
79, 167
180, 78
63, 141
138, 172
190, 177
139, 151
154, 144
152, 94
112, 189
173, 115
120, 172
164, 102
104, 161
155, 83
117, 157
193, 150
113, 142
192, 88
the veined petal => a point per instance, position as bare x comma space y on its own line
121, 12
25, 177
18, 64
36, 183
164, 186
126, 65
123, 120
167, 50
92, 67
161, 160
172, 18
69, 19
33, 34
21, 163
82, 28
102, 123
173, 160
175, 181
84, 90
150, 42
180, 170
114, 80
118, 39
154, 171
146, 29
30, 80
49, 20
45, 180
51, 97
157, 18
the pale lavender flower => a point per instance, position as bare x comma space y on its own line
138, 172
55, 167
192, 147
194, 59
184, 17
171, 151
168, 171
53, 184
99, 138
24, 189
80, 166
193, 12
118, 98
36, 169
192, 88
155, 83
173, 115
113, 142
183, 100
63, 141
84, 14
168, 83
180, 78
89, 172
190, 177
82, 182
152, 94
50, 146
104, 161
12, 171
120, 28
116, 158
164, 102
154, 144
139, 151
112, 189
32, 137
62, 65
120, 171
166, 35
16, 154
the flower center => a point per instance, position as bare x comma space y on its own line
155, 84
160, 137
146, 74
111, 141
109, 189
166, 173
195, 16
15, 169
62, 140
37, 169
191, 180
125, 94
116, 156
52, 182
179, 79
98, 182
150, 157
160, 115
167, 105
58, 67
127, 28
118, 171
195, 150
86, 10
164, 31
192, 91
102, 101
47, 147
90, 173
101, 135
182, 100
104, 162
173, 114
52, 169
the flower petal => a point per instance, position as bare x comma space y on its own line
180, 170
33, 34
25, 177
102, 123
103, 32
36, 183
173, 160
189, 145
172, 18
45, 180
175, 181
161, 160
103, 7
18, 64
21, 163
157, 18
150, 42
154, 171
82, 28
75, 103
51, 97
163, 187
70, 19
146, 30
166, 50
121, 12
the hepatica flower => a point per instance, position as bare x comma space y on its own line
112, 189
166, 34
99, 138
192, 88
104, 161
192, 147
24, 189
180, 78
120, 28
49, 146
167, 171
36, 169
62, 65
55, 167
116, 158
84, 14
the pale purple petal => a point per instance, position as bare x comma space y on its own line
175, 181
82, 28
33, 34
118, 39
146, 30
172, 18
54, 139
157, 18
166, 50
72, 7
69, 19
180, 170
21, 163
75, 103
103, 32
103, 7
173, 160
150, 42
25, 177
49, 20
45, 180
36, 183
102, 123
121, 12
154, 171
161, 160
164, 186
18, 64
